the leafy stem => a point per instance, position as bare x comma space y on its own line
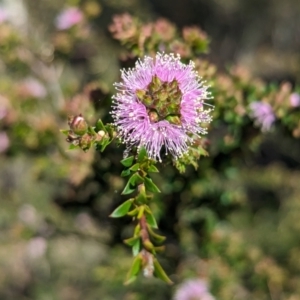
145, 242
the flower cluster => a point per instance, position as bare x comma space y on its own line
193, 290
263, 114
160, 104
295, 100
68, 18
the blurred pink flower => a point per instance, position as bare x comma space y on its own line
263, 115
123, 27
68, 18
33, 88
36, 247
194, 289
295, 100
3, 15
28, 215
4, 142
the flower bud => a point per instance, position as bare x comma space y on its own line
100, 135
78, 125
85, 142
140, 94
173, 120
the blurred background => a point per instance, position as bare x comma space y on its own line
234, 222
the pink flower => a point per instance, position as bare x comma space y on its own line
31, 87
160, 104
295, 100
68, 18
3, 15
263, 115
36, 247
194, 289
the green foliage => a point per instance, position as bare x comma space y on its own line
122, 210
127, 162
150, 186
160, 273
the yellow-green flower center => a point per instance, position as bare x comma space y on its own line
162, 100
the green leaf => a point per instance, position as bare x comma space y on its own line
125, 173
159, 249
137, 229
157, 237
135, 167
100, 126
150, 219
133, 181
152, 169
91, 130
147, 244
65, 131
150, 186
160, 273
130, 280
131, 241
135, 268
104, 144
122, 210
128, 189
127, 162
136, 247
136, 179
133, 212
142, 155
141, 197
141, 212
202, 151
72, 147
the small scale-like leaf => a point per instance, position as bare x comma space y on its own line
104, 144
135, 167
91, 130
100, 126
149, 246
141, 197
136, 247
202, 151
150, 186
137, 229
133, 212
160, 273
157, 237
151, 220
128, 189
142, 155
141, 212
127, 162
72, 147
130, 280
125, 173
136, 179
152, 169
122, 210
159, 249
134, 270
65, 131
131, 241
